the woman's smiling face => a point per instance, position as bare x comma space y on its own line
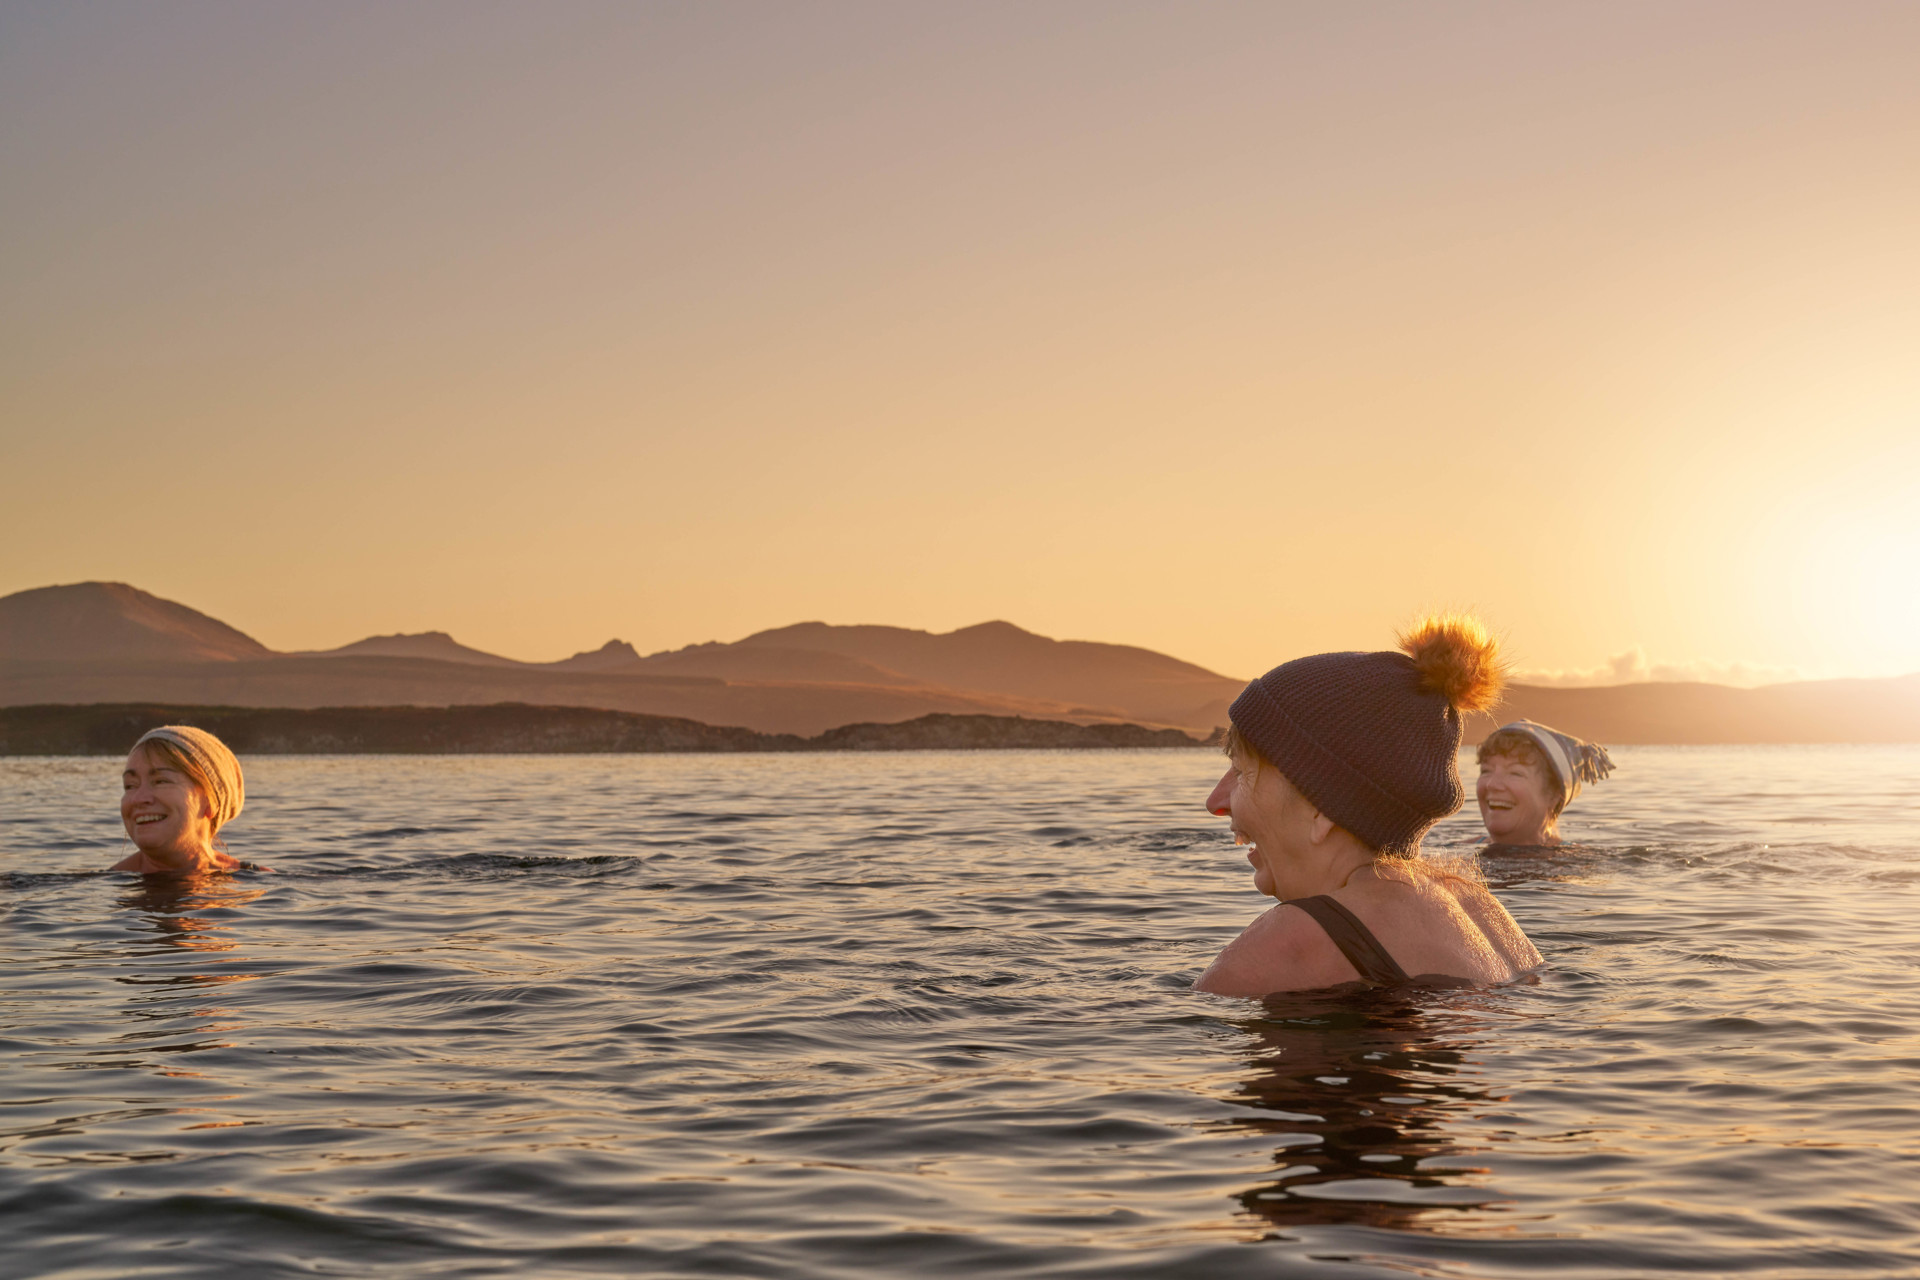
1251, 795
166, 814
1516, 800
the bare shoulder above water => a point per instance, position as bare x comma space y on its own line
1447, 930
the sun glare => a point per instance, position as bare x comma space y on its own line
1852, 583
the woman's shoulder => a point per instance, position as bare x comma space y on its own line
1282, 950
1458, 916
1435, 927
1441, 925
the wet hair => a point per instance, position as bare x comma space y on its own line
205, 761
1517, 745
1236, 743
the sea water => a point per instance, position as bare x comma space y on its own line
930, 1014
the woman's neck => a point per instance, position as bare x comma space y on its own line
1342, 869
180, 862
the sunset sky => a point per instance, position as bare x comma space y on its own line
1234, 331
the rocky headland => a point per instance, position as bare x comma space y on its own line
516, 729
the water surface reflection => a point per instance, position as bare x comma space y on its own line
1360, 1090
165, 907
183, 947
931, 1015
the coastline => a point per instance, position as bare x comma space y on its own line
512, 728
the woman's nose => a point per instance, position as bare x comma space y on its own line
1222, 792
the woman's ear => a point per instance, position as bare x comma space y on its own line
1322, 827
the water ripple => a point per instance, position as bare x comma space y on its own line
928, 1015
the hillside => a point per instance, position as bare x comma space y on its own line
113, 622
106, 642
801, 708
998, 657
112, 643
733, 662
437, 645
1656, 713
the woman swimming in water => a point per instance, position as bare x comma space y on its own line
181, 785
1340, 764
1528, 775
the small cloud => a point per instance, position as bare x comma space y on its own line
1632, 666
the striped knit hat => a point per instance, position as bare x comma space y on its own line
213, 767
1573, 760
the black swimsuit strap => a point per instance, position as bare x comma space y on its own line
1356, 942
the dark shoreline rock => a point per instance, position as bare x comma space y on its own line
512, 728
944, 732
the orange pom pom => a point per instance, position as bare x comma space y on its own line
1457, 660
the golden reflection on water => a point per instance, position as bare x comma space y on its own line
162, 909
165, 902
1360, 1089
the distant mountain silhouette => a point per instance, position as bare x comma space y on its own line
113, 622
99, 642
793, 707
614, 655
988, 655
759, 663
1806, 711
993, 665
995, 658
421, 644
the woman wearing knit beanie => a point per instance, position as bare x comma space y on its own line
1528, 774
1340, 764
180, 786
